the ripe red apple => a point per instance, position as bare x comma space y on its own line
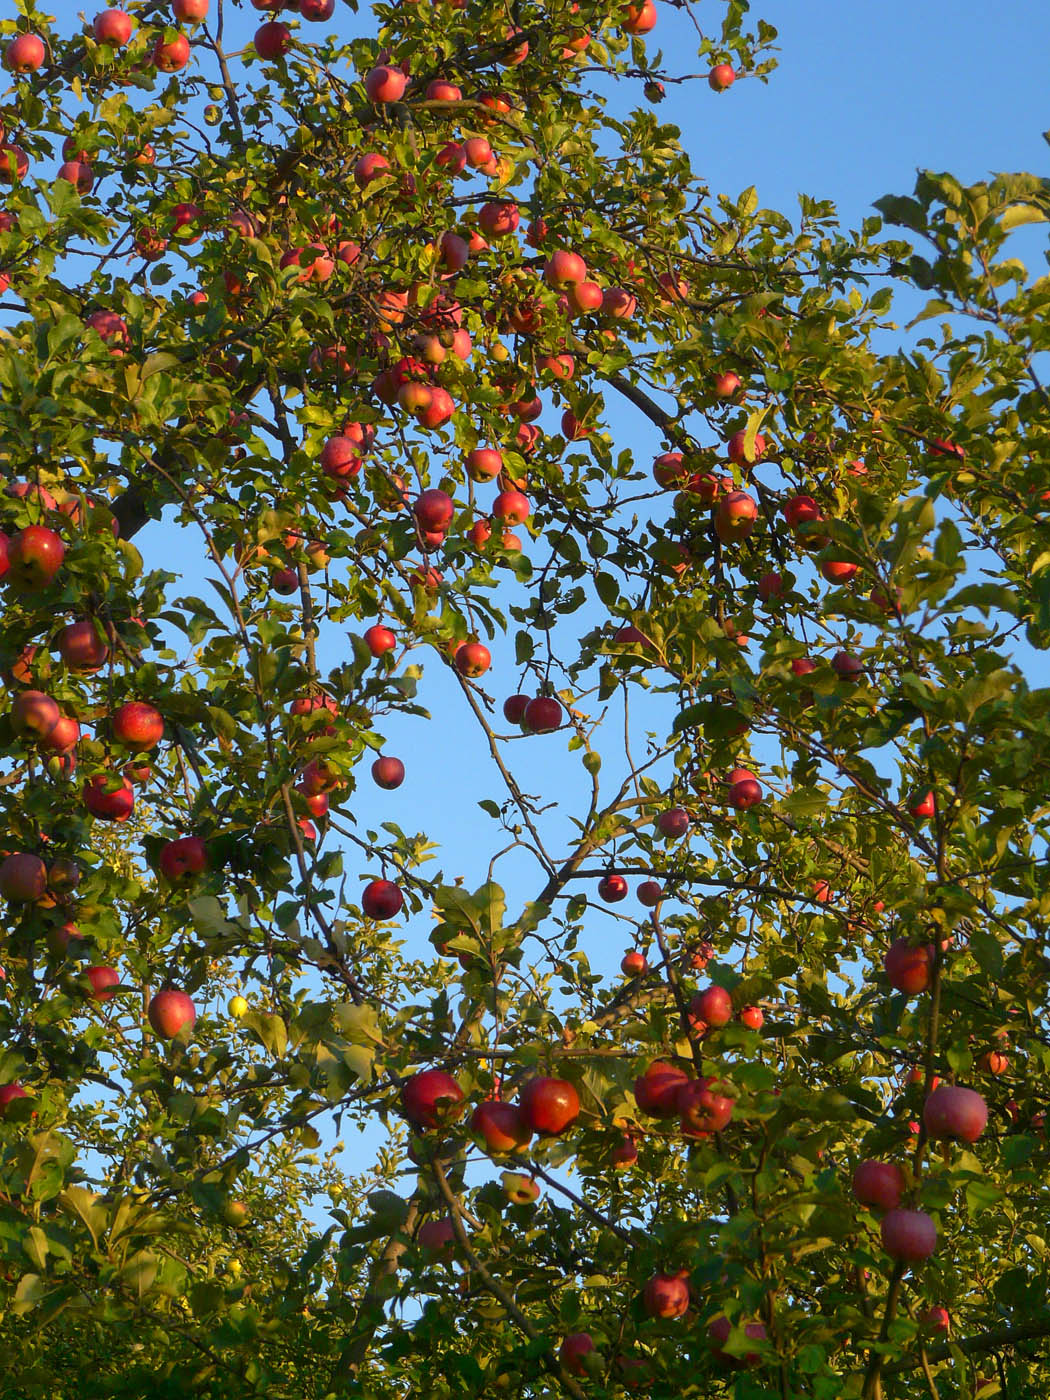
25, 53
380, 640
770, 586
736, 449
8, 1093
955, 1113
63, 737
656, 1091
923, 804
369, 167
543, 714
101, 981
650, 893
735, 517
744, 789
909, 968
110, 803
612, 888
718, 1330
272, 39
169, 1011
837, 570
34, 714
431, 1098
753, 1017
137, 726
381, 899
713, 1006
484, 463
879, 1184
81, 647
436, 1236
703, 1107
520, 1190
511, 507
514, 708
669, 469
624, 1154
640, 18
721, 77
477, 151
548, 1106
634, 964
388, 772
847, 667
183, 859
113, 27
171, 57
23, 878
667, 1295
438, 90
727, 384
564, 267
572, 1351
908, 1235
498, 217
501, 1125
35, 556
433, 508
674, 822
190, 11
936, 1321
385, 84
316, 10
473, 659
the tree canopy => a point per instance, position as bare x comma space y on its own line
379, 312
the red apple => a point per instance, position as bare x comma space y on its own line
634, 964
727, 384
955, 1113
612, 888
25, 53
369, 167
498, 217
721, 77
879, 1184
936, 1321
433, 508
109, 802
113, 27
994, 1062
753, 1017
169, 1011
63, 738
431, 1098
272, 40
923, 804
172, 57
501, 1125
735, 517
388, 772
847, 667
183, 859
770, 586
520, 1190
137, 726
572, 1351
23, 878
473, 659
674, 822
8, 1093
511, 507
484, 463
713, 1006
909, 968
656, 1091
81, 647
736, 449
650, 893
35, 556
624, 1154
101, 981
549, 1106
190, 11
380, 640
543, 714
381, 899
719, 1328
744, 789
640, 18
514, 708
385, 84
703, 1107
908, 1235
667, 1295
436, 1236
34, 714
564, 267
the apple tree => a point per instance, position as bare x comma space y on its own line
475, 415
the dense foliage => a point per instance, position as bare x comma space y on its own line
365, 308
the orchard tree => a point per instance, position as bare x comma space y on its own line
452, 379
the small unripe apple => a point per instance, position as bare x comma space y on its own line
237, 1007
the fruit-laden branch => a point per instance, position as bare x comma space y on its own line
992, 1340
